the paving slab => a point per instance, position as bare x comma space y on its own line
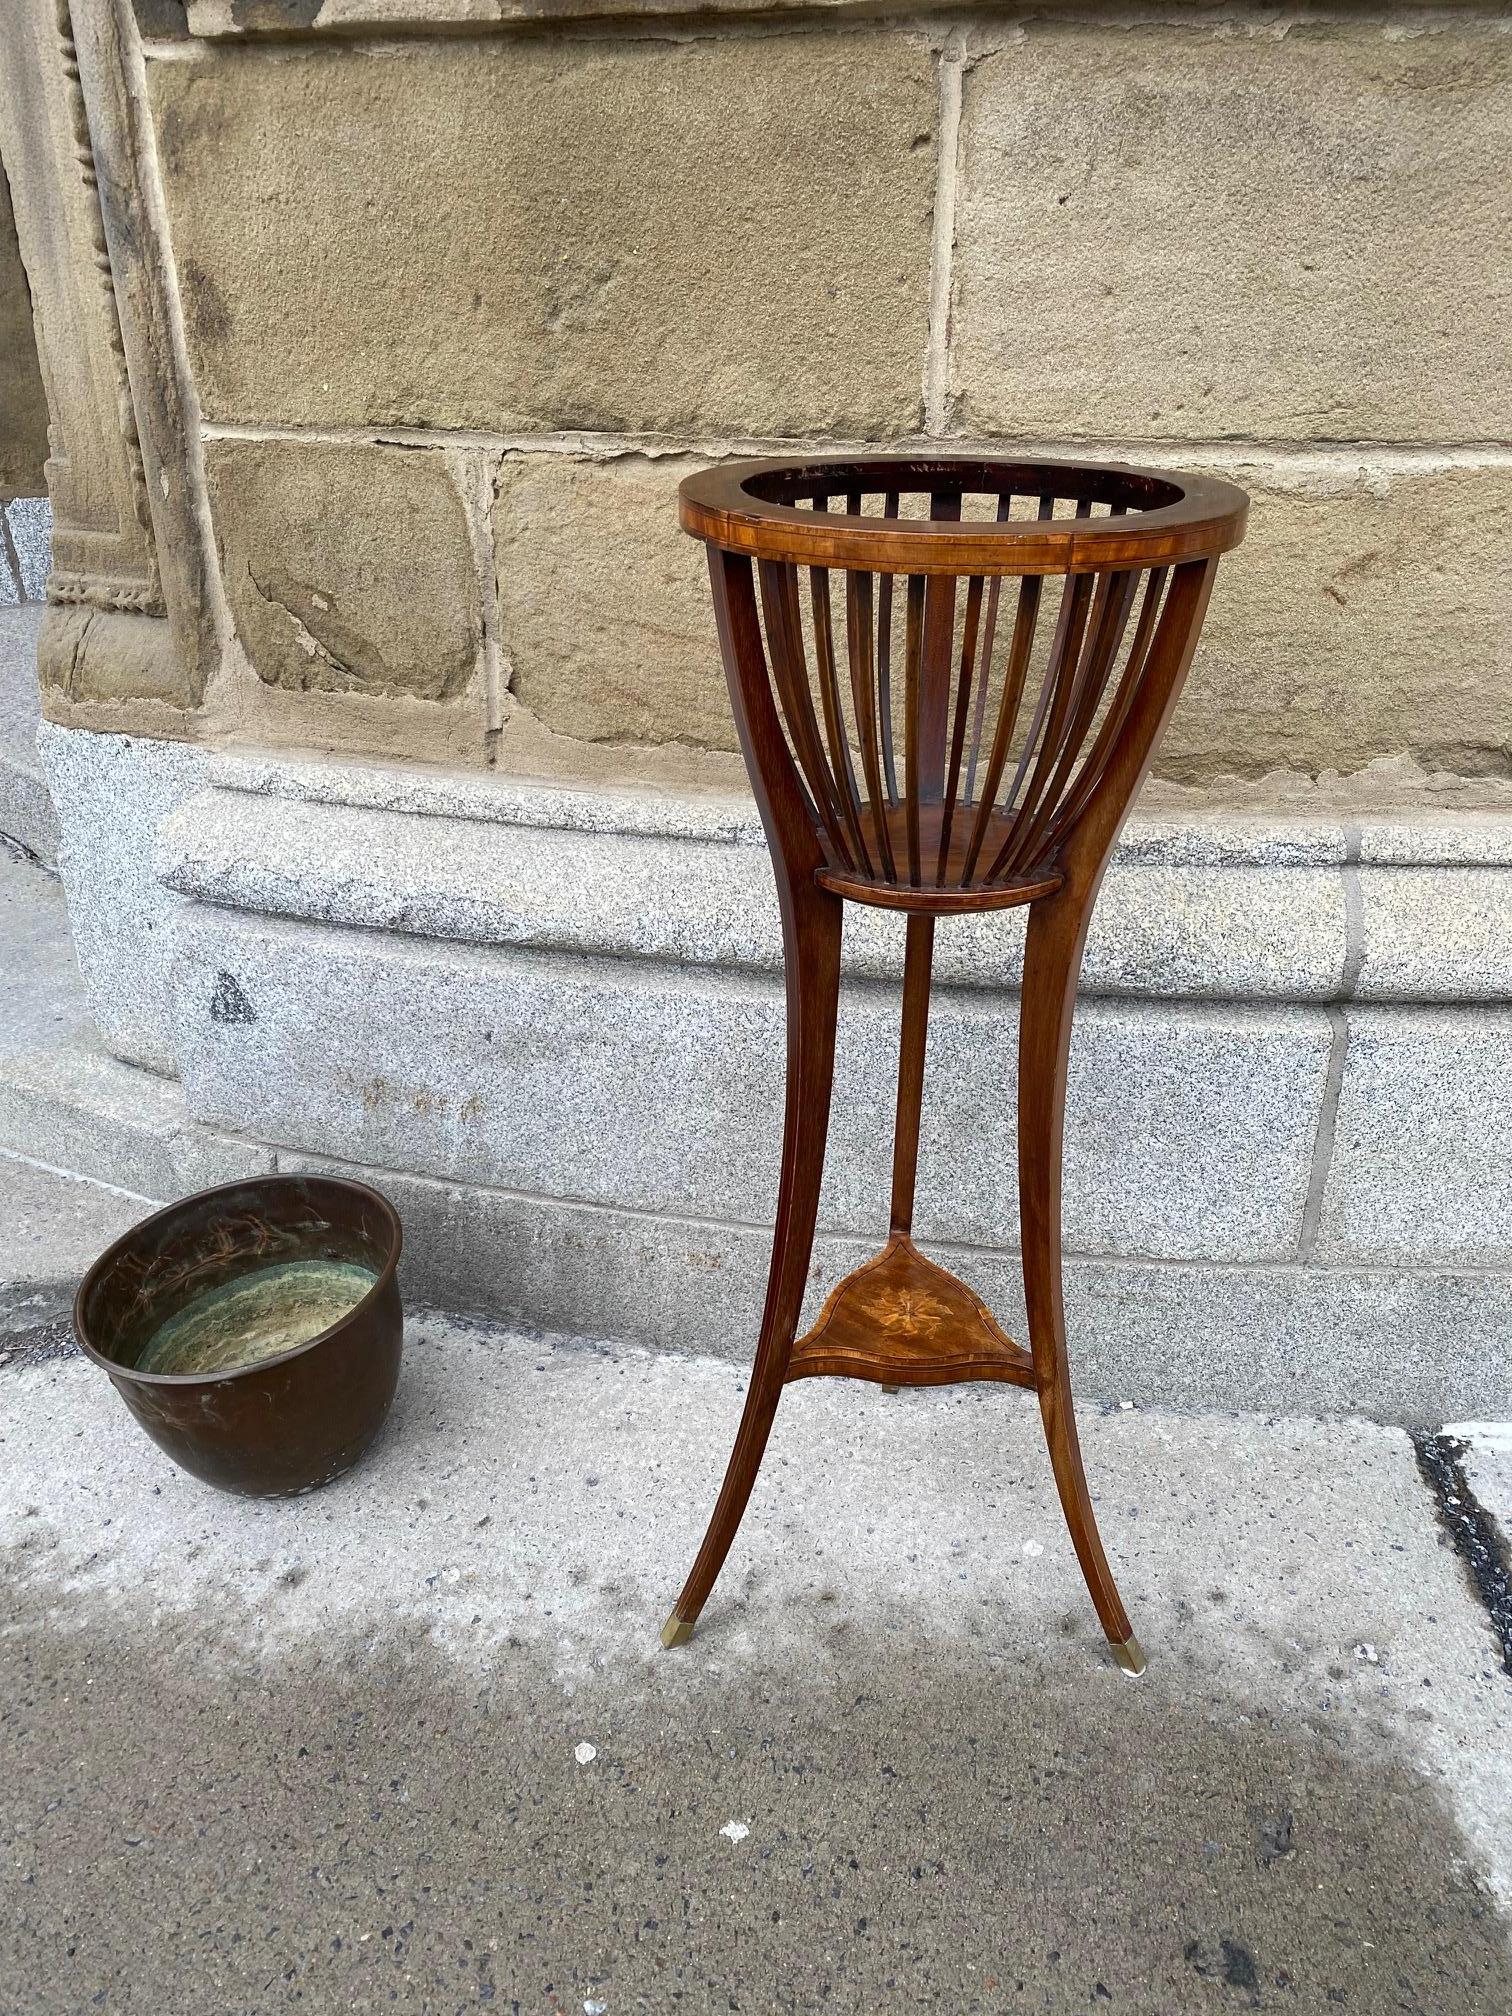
1480, 1456
41, 995
52, 1227
1487, 1461
410, 1742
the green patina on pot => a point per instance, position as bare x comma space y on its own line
257, 1316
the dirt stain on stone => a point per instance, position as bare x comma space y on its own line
206, 309
228, 1001
275, 16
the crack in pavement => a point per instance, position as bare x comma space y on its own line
36, 1343
1475, 1535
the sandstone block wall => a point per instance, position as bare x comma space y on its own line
1288, 230
723, 235
459, 310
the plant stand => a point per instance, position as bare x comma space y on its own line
954, 718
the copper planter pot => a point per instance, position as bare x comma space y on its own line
285, 1424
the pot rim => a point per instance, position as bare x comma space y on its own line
117, 1246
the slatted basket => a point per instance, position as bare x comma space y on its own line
974, 638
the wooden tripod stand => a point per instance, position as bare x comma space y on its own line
1022, 747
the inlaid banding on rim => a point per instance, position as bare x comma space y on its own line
1112, 514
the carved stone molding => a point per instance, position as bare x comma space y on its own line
23, 403
165, 415
110, 669
215, 20
107, 643
103, 546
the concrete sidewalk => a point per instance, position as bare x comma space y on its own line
410, 1743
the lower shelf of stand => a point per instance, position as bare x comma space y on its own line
902, 1320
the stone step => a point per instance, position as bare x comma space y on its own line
64, 1103
1326, 1339
55, 1227
41, 997
70, 1107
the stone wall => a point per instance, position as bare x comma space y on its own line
449, 314
376, 337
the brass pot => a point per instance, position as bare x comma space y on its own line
281, 1424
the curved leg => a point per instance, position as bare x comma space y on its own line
1052, 963
812, 955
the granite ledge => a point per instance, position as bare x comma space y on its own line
1207, 914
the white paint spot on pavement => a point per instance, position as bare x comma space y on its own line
735, 1830
585, 1753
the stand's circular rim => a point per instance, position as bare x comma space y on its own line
717, 506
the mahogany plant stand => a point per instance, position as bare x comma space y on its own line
918, 737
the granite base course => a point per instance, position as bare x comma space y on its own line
1392, 1342
550, 1022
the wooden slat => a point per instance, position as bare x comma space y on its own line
1110, 616
1024, 625
860, 633
968, 674
835, 728
1052, 708
994, 592
937, 661
779, 608
1113, 721
884, 661
913, 638
834, 714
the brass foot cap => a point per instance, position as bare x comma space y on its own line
676, 1631
1130, 1656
